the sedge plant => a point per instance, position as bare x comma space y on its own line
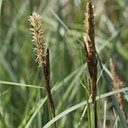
42, 53
90, 50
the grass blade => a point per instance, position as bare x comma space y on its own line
73, 108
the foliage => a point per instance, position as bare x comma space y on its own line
23, 101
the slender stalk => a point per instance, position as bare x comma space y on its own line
46, 71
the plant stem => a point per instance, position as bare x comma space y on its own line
46, 71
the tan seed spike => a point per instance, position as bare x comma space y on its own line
42, 53
38, 38
117, 83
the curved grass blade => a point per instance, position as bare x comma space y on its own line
21, 85
73, 108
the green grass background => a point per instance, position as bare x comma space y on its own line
23, 101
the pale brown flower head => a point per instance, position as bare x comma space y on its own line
38, 38
117, 83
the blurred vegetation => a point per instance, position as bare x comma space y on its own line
22, 96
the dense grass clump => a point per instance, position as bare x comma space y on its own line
73, 88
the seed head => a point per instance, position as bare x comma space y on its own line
90, 42
117, 83
38, 38
89, 27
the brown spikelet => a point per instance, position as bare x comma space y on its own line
117, 83
90, 45
38, 39
91, 54
89, 27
